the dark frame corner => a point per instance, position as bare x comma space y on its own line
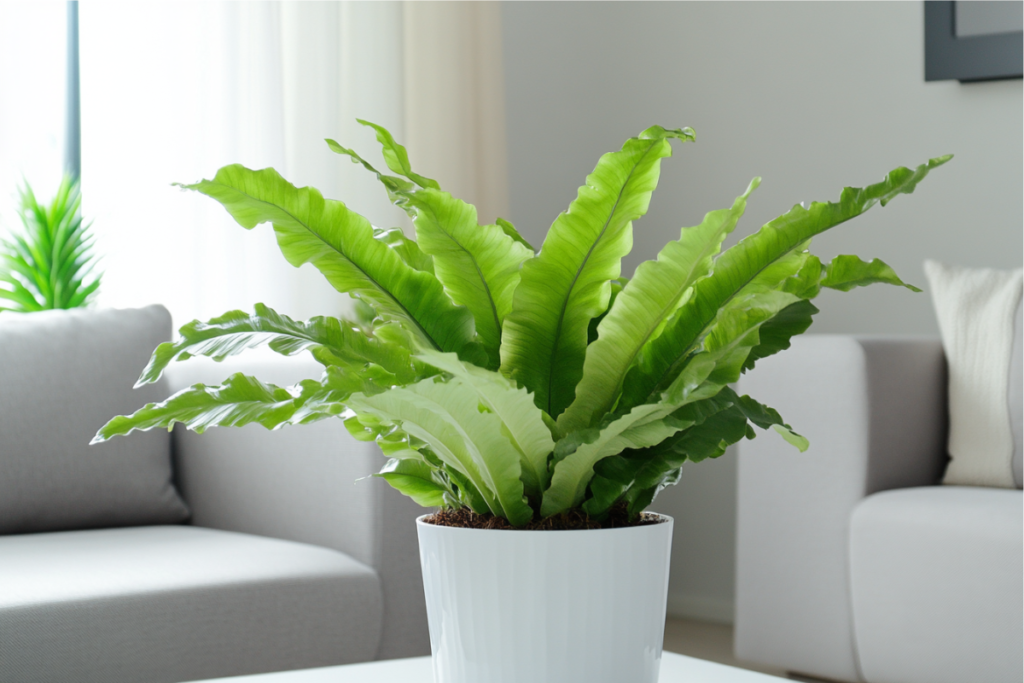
975, 58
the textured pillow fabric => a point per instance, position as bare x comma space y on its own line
1016, 397
63, 374
978, 311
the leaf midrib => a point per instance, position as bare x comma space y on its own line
650, 330
295, 335
343, 255
476, 265
703, 331
860, 206
583, 264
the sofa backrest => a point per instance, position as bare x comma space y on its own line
63, 374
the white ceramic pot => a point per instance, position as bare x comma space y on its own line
546, 606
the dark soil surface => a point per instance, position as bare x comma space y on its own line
573, 520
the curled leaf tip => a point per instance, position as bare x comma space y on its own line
800, 442
685, 134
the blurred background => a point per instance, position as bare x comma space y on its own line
509, 105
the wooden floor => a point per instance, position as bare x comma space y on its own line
712, 642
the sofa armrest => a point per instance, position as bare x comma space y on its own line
874, 410
300, 484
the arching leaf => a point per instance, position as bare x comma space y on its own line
775, 334
663, 357
645, 468
644, 426
477, 264
415, 479
638, 314
447, 417
340, 243
846, 272
329, 397
709, 440
330, 340
704, 376
636, 476
736, 330
242, 400
239, 401
521, 421
544, 341
397, 158
392, 184
511, 231
406, 248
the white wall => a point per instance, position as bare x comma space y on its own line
811, 96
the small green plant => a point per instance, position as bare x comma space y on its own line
517, 383
50, 262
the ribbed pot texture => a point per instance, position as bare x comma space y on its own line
546, 606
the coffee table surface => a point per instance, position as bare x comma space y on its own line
674, 669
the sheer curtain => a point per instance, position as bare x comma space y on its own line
455, 99
173, 91
33, 60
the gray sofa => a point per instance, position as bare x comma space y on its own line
852, 564
272, 557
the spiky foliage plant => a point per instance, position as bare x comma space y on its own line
517, 383
50, 262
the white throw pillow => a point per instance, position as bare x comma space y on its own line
978, 312
1016, 397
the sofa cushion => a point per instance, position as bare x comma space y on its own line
936, 582
65, 373
177, 603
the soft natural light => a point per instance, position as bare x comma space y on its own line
172, 91
33, 60
218, 83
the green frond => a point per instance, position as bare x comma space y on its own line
49, 263
511, 382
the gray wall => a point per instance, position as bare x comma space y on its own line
812, 97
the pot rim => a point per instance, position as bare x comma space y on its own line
420, 523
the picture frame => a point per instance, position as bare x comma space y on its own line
967, 58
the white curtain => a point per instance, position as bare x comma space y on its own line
173, 91
33, 61
455, 99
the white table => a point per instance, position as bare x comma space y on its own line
674, 669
